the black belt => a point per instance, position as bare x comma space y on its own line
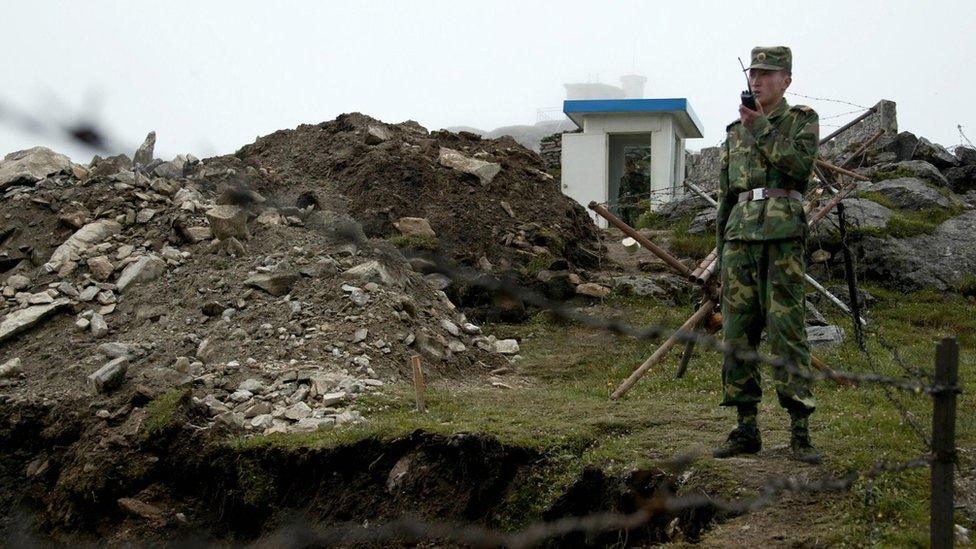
764, 193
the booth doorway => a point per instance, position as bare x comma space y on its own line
629, 170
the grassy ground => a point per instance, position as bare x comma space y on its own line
559, 404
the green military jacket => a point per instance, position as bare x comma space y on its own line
777, 152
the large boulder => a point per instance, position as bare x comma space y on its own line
85, 237
934, 154
965, 155
690, 204
484, 171
704, 222
962, 179
228, 221
25, 319
32, 165
937, 261
909, 193
144, 154
146, 269
918, 169
859, 213
902, 146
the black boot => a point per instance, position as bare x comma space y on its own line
744, 439
800, 445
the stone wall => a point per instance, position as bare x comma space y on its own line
551, 149
701, 168
884, 118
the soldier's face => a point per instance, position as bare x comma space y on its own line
769, 86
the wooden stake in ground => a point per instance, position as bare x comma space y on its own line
418, 384
941, 530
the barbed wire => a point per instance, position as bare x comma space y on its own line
862, 107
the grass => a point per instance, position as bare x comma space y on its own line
414, 242
565, 414
161, 412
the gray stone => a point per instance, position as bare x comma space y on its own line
912, 168
414, 226
902, 146
85, 237
168, 170
450, 327
824, 336
298, 411
909, 193
144, 154
11, 368
965, 155
117, 349
25, 319
228, 221
88, 294
241, 395
145, 215
637, 285
146, 269
259, 409
252, 385
592, 289
704, 222
962, 179
438, 281
31, 165
507, 346
276, 284
311, 424
470, 329
859, 213
18, 282
484, 171
376, 134
934, 154
99, 328
262, 421
108, 377
937, 261
331, 399
349, 416
373, 271
360, 335
101, 268
814, 316
214, 405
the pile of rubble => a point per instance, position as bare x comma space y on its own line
124, 279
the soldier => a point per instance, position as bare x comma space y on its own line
633, 190
767, 160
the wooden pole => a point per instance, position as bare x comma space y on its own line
845, 127
842, 171
662, 351
641, 239
418, 384
941, 528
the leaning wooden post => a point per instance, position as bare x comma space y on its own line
418, 384
941, 528
686, 329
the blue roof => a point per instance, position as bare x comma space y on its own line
678, 106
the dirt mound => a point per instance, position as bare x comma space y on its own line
389, 171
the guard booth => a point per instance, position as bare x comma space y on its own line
636, 142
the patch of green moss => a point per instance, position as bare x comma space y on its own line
539, 263
256, 486
893, 174
414, 241
900, 226
878, 198
550, 240
161, 412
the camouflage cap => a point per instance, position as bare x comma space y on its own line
774, 58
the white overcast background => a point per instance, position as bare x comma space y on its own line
210, 76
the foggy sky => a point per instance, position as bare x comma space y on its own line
211, 76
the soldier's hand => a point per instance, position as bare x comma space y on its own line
747, 115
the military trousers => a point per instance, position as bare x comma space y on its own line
763, 288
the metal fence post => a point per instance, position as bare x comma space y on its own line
941, 528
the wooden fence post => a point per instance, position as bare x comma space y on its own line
418, 384
941, 527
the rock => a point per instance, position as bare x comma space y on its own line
82, 324
144, 154
962, 179
376, 134
214, 406
146, 269
116, 349
298, 411
414, 226
637, 285
860, 213
240, 396
360, 335
145, 215
373, 271
164, 187
450, 327
350, 416
813, 316
507, 346
259, 409
75, 220
198, 234
18, 282
32, 165
913, 168
228, 221
276, 284
937, 261
965, 155
934, 154
101, 268
168, 170
140, 508
11, 368
262, 421
909, 193
108, 377
182, 365
591, 289
438, 281
311, 424
484, 171
99, 328
88, 294
470, 329
902, 145
253, 385
25, 319
206, 350
233, 420
85, 237
331, 399
824, 336
40, 298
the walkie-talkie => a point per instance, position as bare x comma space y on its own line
748, 98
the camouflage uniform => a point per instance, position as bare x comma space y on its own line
633, 190
761, 250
